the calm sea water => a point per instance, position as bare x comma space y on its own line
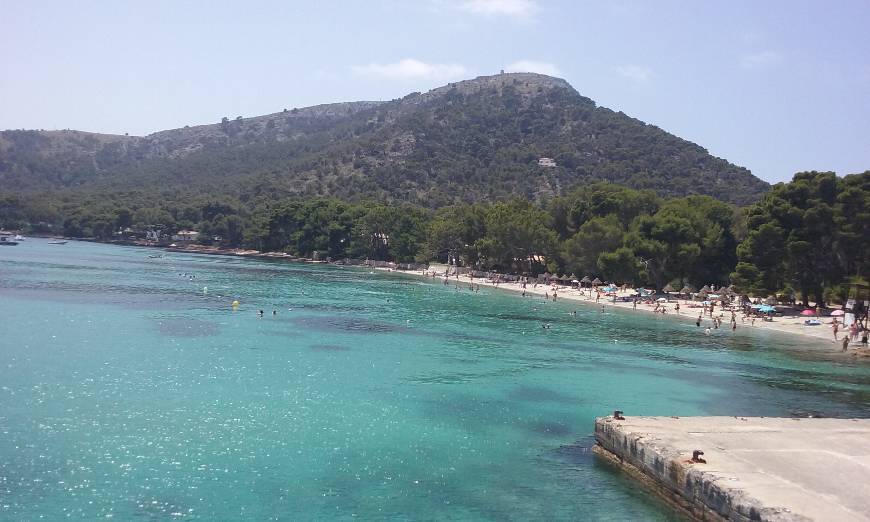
127, 391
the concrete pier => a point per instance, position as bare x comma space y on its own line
756, 468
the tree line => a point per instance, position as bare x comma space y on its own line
807, 238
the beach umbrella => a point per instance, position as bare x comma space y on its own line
686, 290
837, 313
668, 288
808, 311
585, 279
705, 290
596, 281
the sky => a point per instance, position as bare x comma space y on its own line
775, 86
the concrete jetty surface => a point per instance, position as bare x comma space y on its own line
756, 468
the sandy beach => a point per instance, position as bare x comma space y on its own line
821, 336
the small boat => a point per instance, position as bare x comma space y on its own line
18, 237
7, 240
58, 242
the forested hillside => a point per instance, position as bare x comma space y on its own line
477, 140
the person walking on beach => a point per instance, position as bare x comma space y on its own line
836, 327
698, 322
677, 308
845, 342
634, 305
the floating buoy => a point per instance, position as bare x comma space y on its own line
236, 304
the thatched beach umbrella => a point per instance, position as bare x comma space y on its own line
585, 280
705, 290
596, 281
686, 290
668, 289
565, 280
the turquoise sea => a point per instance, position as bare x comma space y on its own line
126, 391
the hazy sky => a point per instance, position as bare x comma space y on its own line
775, 86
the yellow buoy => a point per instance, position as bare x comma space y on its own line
235, 304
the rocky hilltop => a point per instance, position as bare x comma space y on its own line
487, 138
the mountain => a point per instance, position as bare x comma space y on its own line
479, 139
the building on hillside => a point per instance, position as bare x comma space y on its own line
546, 162
185, 235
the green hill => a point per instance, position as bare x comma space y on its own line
474, 140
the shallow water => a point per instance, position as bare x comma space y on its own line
128, 391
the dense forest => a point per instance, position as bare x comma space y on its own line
473, 141
807, 239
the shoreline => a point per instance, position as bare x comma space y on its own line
821, 336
